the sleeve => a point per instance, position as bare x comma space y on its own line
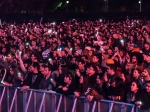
70, 90
40, 86
27, 81
98, 97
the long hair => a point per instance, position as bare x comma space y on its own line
15, 70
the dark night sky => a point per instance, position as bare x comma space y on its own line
45, 6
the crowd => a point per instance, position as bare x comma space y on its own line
96, 59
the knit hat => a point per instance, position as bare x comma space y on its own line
148, 70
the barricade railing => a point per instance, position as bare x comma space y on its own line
14, 100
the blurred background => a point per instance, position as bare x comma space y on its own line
72, 6
58, 10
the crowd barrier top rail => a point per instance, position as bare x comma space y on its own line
83, 97
57, 102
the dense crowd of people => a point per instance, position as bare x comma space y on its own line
97, 59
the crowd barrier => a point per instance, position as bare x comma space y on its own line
14, 100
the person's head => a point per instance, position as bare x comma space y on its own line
43, 43
148, 87
146, 57
110, 51
134, 59
34, 57
34, 67
55, 54
95, 59
117, 82
81, 79
27, 63
64, 53
111, 70
99, 80
21, 47
26, 54
63, 69
68, 79
33, 43
135, 86
10, 57
47, 70
136, 73
146, 46
81, 64
122, 53
42, 68
13, 70
90, 53
116, 49
4, 50
146, 72
73, 60
91, 70
85, 58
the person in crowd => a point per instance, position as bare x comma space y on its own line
11, 79
116, 90
97, 92
133, 94
91, 72
47, 82
68, 86
82, 86
143, 101
33, 78
145, 76
77, 52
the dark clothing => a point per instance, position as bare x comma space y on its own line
6, 65
144, 97
92, 79
59, 80
132, 98
9, 78
33, 80
115, 91
18, 83
70, 91
97, 92
46, 84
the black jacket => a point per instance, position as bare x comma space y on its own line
33, 80
144, 97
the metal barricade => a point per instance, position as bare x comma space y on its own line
14, 100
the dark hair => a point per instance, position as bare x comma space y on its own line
86, 57
82, 61
50, 68
12, 54
64, 69
98, 56
138, 84
36, 65
94, 68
